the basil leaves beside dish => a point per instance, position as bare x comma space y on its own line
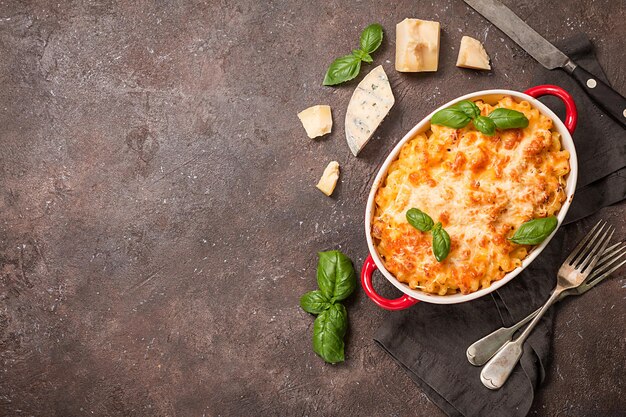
348, 67
336, 280
459, 115
535, 231
424, 223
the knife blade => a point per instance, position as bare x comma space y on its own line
550, 56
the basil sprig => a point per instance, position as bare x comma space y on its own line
533, 232
459, 115
363, 56
336, 280
424, 223
348, 67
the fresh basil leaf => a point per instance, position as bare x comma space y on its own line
535, 231
335, 275
328, 332
342, 69
508, 119
485, 125
347, 67
314, 302
420, 220
468, 107
441, 243
362, 55
371, 38
450, 117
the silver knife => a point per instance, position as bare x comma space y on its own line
550, 57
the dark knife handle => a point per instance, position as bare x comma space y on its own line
604, 96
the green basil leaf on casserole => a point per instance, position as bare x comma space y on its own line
450, 117
420, 220
508, 119
485, 125
535, 231
468, 107
441, 243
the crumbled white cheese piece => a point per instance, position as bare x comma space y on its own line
317, 120
329, 178
417, 45
472, 54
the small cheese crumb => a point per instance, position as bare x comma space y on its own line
329, 178
472, 54
417, 45
317, 120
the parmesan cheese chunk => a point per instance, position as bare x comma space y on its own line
329, 178
472, 54
317, 120
368, 106
417, 45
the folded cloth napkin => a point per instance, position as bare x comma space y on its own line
429, 341
600, 141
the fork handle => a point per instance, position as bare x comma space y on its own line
482, 350
499, 368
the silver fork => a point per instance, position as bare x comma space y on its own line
572, 273
482, 350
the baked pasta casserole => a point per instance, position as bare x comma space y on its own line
481, 188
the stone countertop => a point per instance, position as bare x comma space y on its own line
159, 219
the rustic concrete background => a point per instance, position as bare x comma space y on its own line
159, 219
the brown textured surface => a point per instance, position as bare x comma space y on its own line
159, 219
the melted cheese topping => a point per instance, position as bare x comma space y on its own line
481, 188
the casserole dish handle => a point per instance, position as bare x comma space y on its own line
369, 266
571, 114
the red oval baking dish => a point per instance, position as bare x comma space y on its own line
412, 296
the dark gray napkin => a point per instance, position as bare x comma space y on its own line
600, 141
429, 341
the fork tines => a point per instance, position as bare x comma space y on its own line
607, 263
588, 251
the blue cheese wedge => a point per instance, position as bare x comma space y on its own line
368, 106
